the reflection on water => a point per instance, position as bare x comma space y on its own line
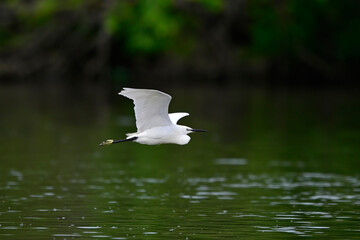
270, 181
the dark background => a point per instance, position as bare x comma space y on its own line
152, 43
275, 83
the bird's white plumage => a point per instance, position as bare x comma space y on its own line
175, 117
151, 107
154, 124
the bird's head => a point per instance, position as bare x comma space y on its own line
107, 142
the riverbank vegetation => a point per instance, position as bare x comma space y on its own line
179, 42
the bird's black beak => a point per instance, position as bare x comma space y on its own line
198, 130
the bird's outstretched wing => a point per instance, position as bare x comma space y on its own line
151, 107
175, 117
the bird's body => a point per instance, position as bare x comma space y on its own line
154, 124
161, 135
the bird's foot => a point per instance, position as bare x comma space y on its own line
107, 142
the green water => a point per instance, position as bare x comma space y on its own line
275, 164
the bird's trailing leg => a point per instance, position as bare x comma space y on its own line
111, 141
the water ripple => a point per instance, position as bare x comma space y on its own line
231, 161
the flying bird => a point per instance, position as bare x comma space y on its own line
153, 122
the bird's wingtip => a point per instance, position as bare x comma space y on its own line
124, 90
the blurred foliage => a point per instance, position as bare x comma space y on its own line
328, 27
210, 40
150, 26
146, 26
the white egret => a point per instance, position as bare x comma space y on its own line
154, 124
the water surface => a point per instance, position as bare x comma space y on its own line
275, 164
